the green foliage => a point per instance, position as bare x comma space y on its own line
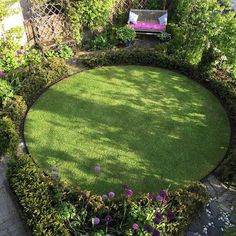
40, 76
89, 14
32, 189
13, 56
125, 34
164, 36
61, 51
100, 42
201, 25
156, 4
8, 136
15, 108
6, 91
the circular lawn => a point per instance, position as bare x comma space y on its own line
146, 127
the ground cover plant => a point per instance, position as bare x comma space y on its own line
141, 125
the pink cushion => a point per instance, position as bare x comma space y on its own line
148, 25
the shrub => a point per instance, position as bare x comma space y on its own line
40, 76
5, 91
32, 190
61, 51
8, 136
15, 108
125, 34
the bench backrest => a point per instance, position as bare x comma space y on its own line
149, 15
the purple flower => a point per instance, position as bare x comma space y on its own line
159, 198
97, 169
148, 228
2, 73
95, 221
151, 196
111, 194
155, 233
108, 218
19, 52
104, 197
157, 221
170, 215
129, 192
56, 175
158, 215
164, 202
163, 193
135, 226
54, 168
84, 195
125, 186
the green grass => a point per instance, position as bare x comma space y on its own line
146, 127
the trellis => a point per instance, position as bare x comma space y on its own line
50, 25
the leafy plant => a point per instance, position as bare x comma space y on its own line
164, 36
15, 108
61, 51
101, 42
8, 136
6, 91
125, 34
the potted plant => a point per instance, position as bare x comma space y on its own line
126, 35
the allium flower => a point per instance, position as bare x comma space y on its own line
97, 169
56, 175
158, 215
135, 226
95, 221
159, 198
54, 168
157, 221
108, 218
170, 215
125, 186
155, 233
104, 197
111, 194
84, 195
151, 196
2, 73
19, 52
148, 228
163, 193
164, 202
129, 192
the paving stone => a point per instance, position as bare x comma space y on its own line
214, 208
10, 222
213, 231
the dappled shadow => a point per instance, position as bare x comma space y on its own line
136, 131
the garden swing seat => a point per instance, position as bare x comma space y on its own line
148, 21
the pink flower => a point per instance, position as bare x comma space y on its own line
129, 192
135, 226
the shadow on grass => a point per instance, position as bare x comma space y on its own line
159, 131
